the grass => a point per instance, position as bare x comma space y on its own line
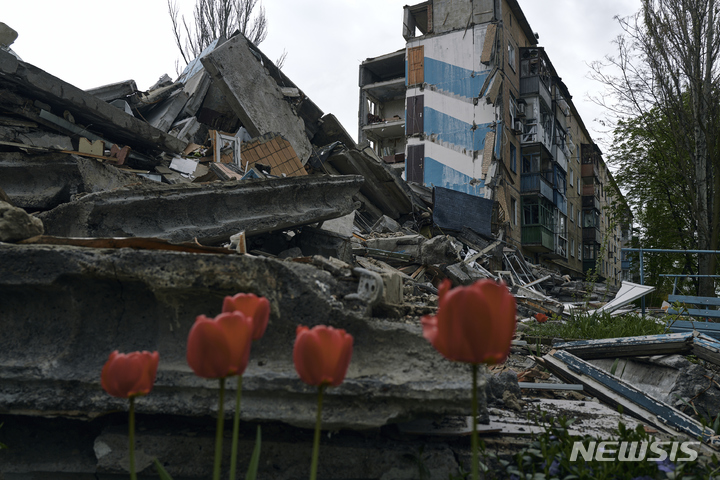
589, 326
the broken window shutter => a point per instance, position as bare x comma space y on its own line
488, 44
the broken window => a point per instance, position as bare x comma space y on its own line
416, 65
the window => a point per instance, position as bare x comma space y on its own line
513, 211
513, 158
579, 218
513, 111
511, 56
572, 212
579, 250
572, 247
578, 186
572, 179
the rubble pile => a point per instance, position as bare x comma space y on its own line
124, 214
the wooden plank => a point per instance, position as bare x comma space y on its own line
550, 386
680, 343
696, 312
707, 348
695, 300
707, 328
617, 392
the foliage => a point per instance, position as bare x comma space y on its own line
583, 325
548, 456
215, 19
662, 95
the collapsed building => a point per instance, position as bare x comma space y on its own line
474, 104
126, 214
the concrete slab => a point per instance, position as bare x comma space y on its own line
86, 108
95, 301
39, 182
211, 213
254, 95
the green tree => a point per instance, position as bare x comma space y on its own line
662, 94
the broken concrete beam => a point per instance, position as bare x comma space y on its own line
195, 88
51, 352
163, 115
254, 95
7, 35
383, 187
39, 182
315, 241
113, 91
84, 107
211, 213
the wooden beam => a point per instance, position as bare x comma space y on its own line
680, 343
618, 393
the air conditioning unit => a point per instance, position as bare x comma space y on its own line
518, 127
521, 109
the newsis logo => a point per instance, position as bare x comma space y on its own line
634, 451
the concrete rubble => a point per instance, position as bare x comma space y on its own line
125, 214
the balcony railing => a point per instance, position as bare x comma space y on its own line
589, 170
590, 201
530, 86
537, 183
592, 235
591, 190
539, 236
560, 201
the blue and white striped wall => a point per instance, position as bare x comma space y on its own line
455, 128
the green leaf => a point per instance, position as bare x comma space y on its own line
164, 475
255, 458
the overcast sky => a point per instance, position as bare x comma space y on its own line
90, 43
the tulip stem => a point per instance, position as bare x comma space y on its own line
219, 431
474, 438
316, 440
131, 435
236, 429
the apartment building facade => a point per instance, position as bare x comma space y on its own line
474, 104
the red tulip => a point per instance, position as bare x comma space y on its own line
129, 375
541, 317
252, 306
474, 324
220, 347
322, 355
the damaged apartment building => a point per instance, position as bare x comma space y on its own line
474, 105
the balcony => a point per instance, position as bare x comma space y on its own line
530, 86
538, 238
536, 183
592, 235
561, 155
591, 190
589, 170
590, 202
560, 201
